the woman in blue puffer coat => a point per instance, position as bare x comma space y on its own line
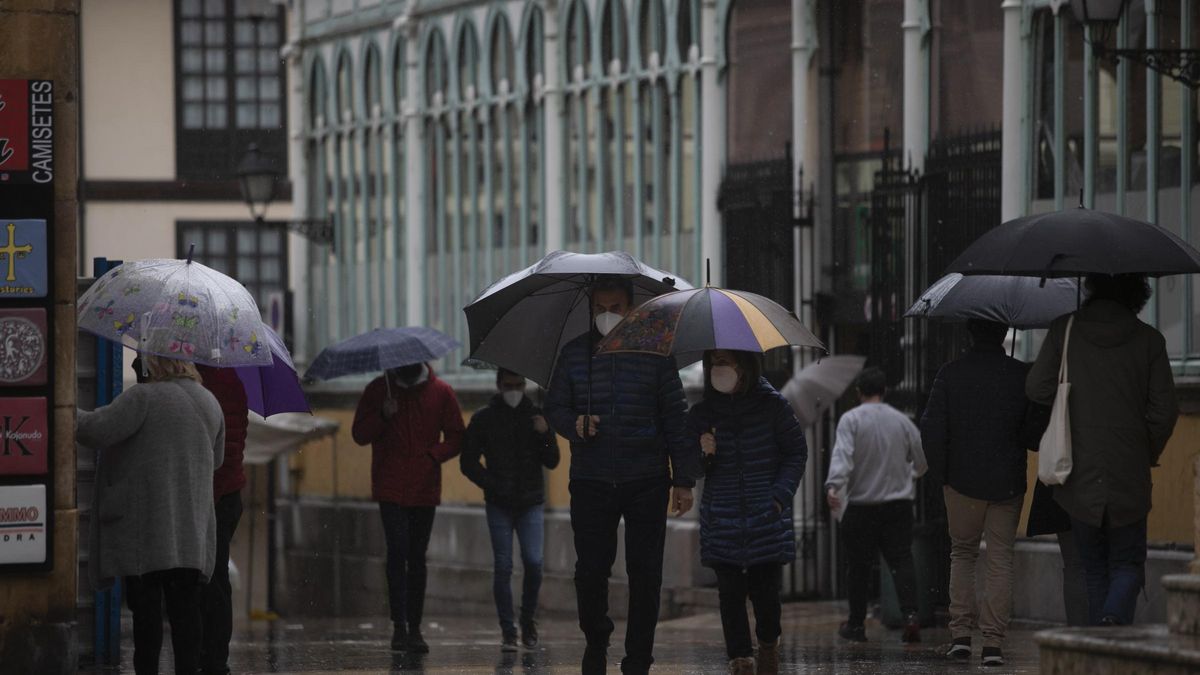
754, 453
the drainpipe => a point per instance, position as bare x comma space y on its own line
554, 172
916, 83
414, 175
1012, 183
713, 147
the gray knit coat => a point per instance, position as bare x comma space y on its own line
158, 444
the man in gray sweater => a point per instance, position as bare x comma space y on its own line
872, 475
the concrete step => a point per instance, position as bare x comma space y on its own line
1183, 603
1128, 649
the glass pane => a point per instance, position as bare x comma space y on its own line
190, 33
268, 60
216, 116
189, 8
192, 61
245, 240
268, 269
270, 243
247, 269
246, 117
269, 117
268, 34
245, 60
216, 242
214, 8
193, 89
214, 60
268, 88
193, 116
214, 88
245, 88
214, 33
244, 33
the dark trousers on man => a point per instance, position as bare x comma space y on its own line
406, 530
217, 597
181, 588
871, 529
762, 585
1114, 565
596, 510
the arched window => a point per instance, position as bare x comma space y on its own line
436, 69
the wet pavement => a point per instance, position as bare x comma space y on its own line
691, 645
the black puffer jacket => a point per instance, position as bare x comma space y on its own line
513, 451
978, 425
639, 400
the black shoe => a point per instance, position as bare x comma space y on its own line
912, 630
399, 637
960, 649
595, 660
992, 656
529, 634
509, 642
416, 643
1109, 621
852, 633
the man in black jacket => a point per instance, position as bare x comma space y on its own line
515, 442
629, 456
975, 432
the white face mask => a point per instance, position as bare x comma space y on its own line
607, 321
724, 379
513, 398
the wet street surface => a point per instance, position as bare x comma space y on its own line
683, 646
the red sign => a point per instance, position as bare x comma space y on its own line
24, 349
26, 131
24, 436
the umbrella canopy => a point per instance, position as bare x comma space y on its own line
381, 349
178, 309
817, 386
1020, 302
685, 324
1076, 242
522, 321
273, 389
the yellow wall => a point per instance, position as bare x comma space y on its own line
1171, 519
312, 469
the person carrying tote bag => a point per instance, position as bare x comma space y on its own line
1054, 452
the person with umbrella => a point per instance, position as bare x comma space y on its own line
975, 431
514, 440
412, 421
754, 456
1122, 411
624, 415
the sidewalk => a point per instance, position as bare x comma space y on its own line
691, 645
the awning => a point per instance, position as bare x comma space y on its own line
268, 438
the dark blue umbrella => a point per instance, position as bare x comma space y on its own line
381, 349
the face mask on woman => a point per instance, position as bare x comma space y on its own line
724, 379
513, 397
606, 321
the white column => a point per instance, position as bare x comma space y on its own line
1012, 171
804, 45
712, 123
415, 261
916, 82
298, 247
553, 172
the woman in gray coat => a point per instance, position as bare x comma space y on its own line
153, 521
1122, 411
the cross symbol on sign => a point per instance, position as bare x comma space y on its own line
11, 252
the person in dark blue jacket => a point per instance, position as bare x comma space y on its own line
754, 456
629, 456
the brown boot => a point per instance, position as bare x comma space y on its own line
768, 658
741, 666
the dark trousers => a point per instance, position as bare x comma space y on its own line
871, 529
407, 530
596, 510
181, 588
1114, 565
217, 597
762, 585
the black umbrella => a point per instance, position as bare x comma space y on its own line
1077, 242
1020, 302
521, 322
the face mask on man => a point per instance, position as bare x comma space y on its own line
607, 321
724, 379
513, 397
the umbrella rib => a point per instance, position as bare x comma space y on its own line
562, 329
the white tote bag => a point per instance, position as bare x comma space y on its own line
1054, 452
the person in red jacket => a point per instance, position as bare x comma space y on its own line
414, 425
228, 481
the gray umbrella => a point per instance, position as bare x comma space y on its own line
817, 386
1020, 302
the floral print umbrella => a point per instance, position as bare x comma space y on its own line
179, 309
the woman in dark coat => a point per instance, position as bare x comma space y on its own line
754, 457
1122, 411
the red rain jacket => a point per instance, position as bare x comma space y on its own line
407, 451
227, 388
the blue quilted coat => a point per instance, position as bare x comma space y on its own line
642, 411
759, 461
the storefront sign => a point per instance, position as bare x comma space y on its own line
26, 131
24, 529
24, 347
24, 436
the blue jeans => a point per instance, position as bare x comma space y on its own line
528, 526
1114, 564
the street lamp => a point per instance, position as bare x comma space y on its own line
257, 179
1182, 65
